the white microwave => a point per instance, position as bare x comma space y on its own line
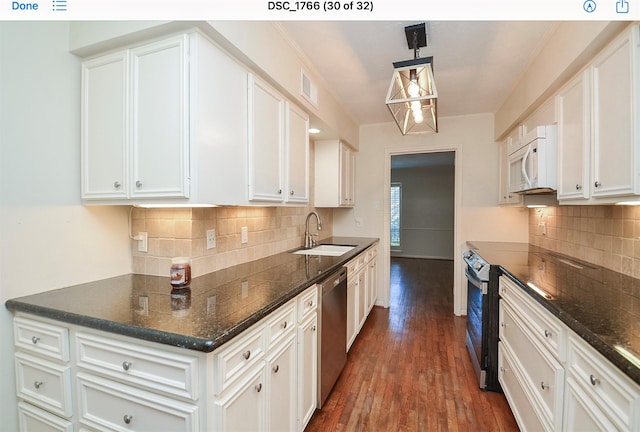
533, 165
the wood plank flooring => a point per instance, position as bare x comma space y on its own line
409, 369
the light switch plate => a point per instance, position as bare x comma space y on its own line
244, 235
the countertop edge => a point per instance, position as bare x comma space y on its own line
205, 345
604, 348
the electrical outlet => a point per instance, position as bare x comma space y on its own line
543, 228
143, 245
211, 239
244, 235
245, 288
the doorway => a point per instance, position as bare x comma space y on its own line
428, 222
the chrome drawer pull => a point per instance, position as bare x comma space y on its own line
35, 339
126, 365
246, 355
127, 419
37, 384
544, 386
594, 381
259, 388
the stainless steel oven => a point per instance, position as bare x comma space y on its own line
482, 319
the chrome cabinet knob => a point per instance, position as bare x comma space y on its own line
127, 419
593, 380
291, 193
246, 355
544, 386
279, 191
37, 384
138, 184
116, 184
547, 334
284, 325
259, 388
35, 339
313, 328
276, 368
126, 365
597, 184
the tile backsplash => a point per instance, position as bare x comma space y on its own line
182, 232
608, 236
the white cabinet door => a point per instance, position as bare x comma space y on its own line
573, 108
104, 127
244, 407
352, 311
580, 413
266, 141
372, 282
281, 387
615, 102
297, 154
160, 132
307, 370
362, 294
347, 176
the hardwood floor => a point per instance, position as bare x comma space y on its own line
409, 369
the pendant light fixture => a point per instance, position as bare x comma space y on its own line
412, 97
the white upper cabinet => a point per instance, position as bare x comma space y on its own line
278, 147
506, 147
135, 123
266, 141
297, 152
105, 156
334, 174
616, 87
598, 115
180, 122
160, 119
574, 138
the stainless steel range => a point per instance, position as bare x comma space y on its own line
482, 319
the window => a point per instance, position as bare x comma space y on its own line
396, 208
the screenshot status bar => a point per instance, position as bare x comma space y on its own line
348, 10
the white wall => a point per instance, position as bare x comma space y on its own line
427, 215
47, 239
477, 215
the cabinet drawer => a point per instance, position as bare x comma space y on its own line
106, 405
371, 253
307, 303
542, 374
281, 323
614, 393
514, 391
234, 358
32, 419
43, 383
42, 338
547, 329
355, 264
143, 366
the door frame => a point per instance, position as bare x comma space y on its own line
459, 300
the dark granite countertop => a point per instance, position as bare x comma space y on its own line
600, 305
217, 306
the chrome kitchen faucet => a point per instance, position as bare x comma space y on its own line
309, 242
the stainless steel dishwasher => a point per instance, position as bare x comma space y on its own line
332, 352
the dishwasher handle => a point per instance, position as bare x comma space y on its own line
334, 280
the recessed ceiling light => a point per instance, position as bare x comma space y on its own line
314, 130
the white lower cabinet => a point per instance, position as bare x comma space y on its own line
553, 379
71, 378
362, 291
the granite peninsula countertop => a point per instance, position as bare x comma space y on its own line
217, 306
600, 305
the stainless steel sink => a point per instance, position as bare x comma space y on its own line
325, 250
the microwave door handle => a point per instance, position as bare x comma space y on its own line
524, 166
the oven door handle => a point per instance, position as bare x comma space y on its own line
482, 286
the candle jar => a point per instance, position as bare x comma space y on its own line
180, 272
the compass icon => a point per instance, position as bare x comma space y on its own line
589, 6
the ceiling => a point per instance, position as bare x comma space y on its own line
476, 64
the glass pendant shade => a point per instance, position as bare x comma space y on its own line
412, 97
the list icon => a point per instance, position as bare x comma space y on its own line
59, 5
